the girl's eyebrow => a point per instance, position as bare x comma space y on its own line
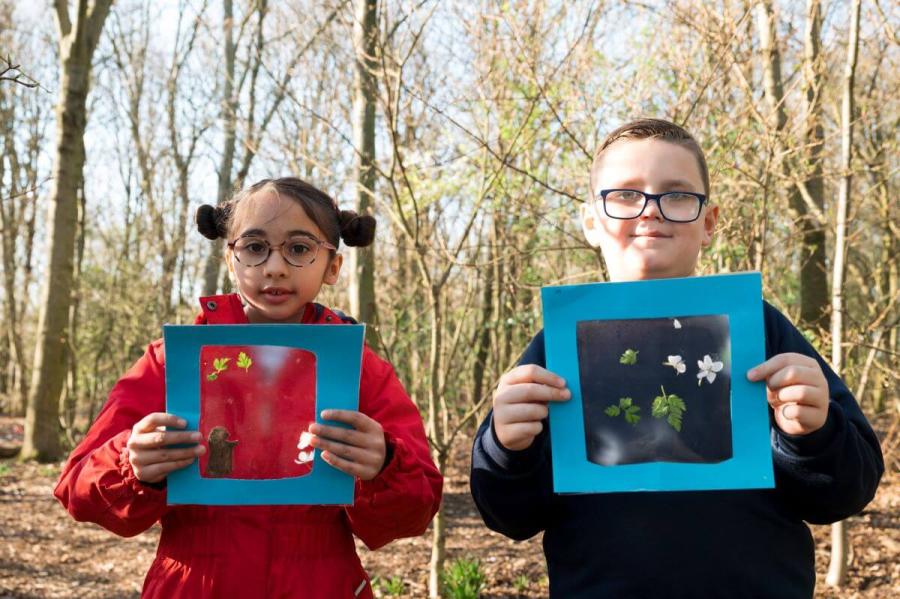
294, 233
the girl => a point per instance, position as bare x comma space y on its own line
282, 240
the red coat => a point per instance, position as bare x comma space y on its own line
253, 551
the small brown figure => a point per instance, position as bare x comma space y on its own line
220, 452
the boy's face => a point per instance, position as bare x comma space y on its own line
649, 246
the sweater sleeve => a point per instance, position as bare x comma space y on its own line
513, 490
832, 473
97, 483
403, 498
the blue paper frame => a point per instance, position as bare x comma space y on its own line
338, 351
739, 296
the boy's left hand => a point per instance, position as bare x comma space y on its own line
797, 391
359, 451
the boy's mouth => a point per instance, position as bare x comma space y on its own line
652, 234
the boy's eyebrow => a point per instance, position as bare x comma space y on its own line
667, 185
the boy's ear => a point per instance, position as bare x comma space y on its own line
710, 218
333, 270
590, 225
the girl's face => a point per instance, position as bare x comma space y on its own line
649, 246
277, 291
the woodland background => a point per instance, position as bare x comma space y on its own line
468, 129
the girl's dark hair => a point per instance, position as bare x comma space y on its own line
356, 230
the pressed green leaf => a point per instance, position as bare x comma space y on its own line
212, 376
659, 408
677, 402
244, 361
675, 421
624, 402
221, 363
629, 357
632, 418
612, 411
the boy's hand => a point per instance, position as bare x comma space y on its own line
520, 404
149, 453
359, 451
797, 391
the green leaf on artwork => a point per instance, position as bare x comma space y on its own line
629, 358
244, 361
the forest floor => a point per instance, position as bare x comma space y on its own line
44, 553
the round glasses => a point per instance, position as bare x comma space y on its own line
297, 251
675, 206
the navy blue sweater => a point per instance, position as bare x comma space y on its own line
749, 543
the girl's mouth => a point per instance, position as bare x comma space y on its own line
276, 295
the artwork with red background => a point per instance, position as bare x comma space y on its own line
256, 403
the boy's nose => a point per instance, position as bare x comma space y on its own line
651, 210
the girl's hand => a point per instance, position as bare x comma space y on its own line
148, 447
797, 391
359, 451
520, 404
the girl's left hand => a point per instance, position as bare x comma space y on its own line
359, 451
797, 391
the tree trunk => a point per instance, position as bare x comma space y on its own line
437, 433
77, 43
362, 260
229, 124
438, 542
813, 280
837, 569
813, 290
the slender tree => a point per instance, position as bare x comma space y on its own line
362, 260
837, 568
77, 42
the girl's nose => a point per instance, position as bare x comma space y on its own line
275, 265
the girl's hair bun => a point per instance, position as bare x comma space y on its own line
356, 230
212, 221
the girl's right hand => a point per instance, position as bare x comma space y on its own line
149, 451
520, 404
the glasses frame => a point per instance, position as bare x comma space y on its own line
648, 197
319, 243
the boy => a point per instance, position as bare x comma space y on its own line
746, 543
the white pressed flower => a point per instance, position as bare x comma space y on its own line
676, 323
677, 363
708, 369
304, 457
305, 440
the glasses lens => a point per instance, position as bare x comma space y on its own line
251, 251
300, 251
623, 204
681, 207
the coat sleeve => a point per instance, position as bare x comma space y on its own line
97, 483
832, 473
513, 490
403, 498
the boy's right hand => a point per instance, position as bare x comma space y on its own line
520, 404
149, 451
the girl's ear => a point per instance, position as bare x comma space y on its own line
710, 218
333, 270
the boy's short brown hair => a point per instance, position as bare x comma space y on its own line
653, 129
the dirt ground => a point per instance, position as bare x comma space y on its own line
44, 553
